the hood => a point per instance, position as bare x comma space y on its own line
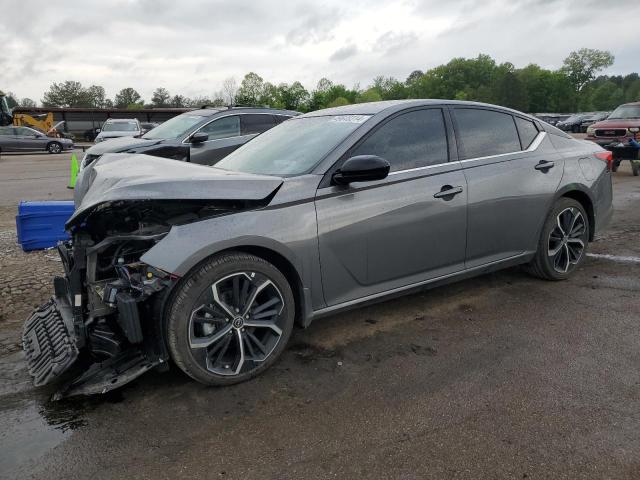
622, 123
119, 144
118, 177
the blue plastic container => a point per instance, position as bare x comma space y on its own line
40, 225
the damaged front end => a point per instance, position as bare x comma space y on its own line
104, 321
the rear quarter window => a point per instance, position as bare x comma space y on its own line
482, 133
527, 131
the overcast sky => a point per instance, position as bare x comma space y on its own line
190, 47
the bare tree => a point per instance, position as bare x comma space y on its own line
229, 90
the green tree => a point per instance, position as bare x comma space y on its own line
369, 95
338, 102
96, 96
28, 103
251, 90
508, 90
293, 97
128, 98
66, 94
581, 66
179, 101
160, 97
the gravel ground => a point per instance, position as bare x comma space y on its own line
25, 283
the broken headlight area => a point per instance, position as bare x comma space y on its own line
105, 317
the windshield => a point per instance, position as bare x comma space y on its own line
175, 127
625, 111
293, 147
120, 127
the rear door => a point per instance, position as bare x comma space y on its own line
256, 123
378, 236
512, 173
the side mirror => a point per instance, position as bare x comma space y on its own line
362, 168
199, 137
98, 130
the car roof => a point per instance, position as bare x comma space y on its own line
210, 111
373, 108
114, 120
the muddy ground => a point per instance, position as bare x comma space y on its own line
501, 376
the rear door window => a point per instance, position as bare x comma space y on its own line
482, 133
527, 131
256, 123
411, 140
224, 127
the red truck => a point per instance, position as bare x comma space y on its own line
619, 127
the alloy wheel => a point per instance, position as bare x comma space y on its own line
236, 323
567, 239
55, 148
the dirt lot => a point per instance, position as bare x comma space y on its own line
502, 376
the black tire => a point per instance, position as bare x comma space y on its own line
54, 147
552, 267
193, 319
575, 129
635, 167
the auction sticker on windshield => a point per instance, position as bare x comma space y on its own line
350, 118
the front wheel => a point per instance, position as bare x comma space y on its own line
563, 241
54, 147
230, 319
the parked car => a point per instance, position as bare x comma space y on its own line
146, 126
91, 134
552, 118
119, 127
591, 119
22, 139
572, 124
212, 266
202, 136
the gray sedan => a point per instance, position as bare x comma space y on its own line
23, 139
212, 266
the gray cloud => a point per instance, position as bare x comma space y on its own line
343, 53
191, 46
392, 42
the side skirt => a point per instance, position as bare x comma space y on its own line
424, 285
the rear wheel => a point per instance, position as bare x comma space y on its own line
563, 242
230, 319
54, 147
635, 167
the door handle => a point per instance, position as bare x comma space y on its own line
447, 191
544, 165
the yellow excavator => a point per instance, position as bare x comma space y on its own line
43, 122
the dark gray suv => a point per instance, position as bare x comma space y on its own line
202, 136
212, 266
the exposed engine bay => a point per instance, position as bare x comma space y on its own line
103, 327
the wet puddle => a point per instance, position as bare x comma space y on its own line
30, 425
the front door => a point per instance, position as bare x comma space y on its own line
378, 236
224, 137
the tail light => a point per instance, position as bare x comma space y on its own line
605, 157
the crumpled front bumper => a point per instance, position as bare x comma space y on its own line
59, 345
48, 343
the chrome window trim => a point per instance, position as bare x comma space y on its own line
532, 148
